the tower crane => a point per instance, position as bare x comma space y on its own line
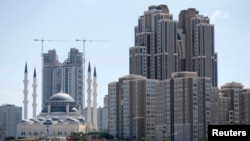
44, 40
83, 59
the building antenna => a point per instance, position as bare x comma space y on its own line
44, 40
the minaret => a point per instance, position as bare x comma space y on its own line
34, 85
25, 92
95, 127
89, 117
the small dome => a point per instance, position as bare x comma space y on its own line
61, 97
36, 121
74, 109
55, 118
69, 118
60, 120
24, 120
75, 120
41, 119
49, 119
81, 119
32, 119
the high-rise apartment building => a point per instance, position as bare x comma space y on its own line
132, 107
106, 101
102, 119
183, 107
113, 108
179, 65
72, 80
200, 55
215, 106
104, 114
164, 110
231, 105
231, 101
10, 116
163, 45
51, 75
160, 109
192, 106
155, 52
172, 90
246, 106
63, 77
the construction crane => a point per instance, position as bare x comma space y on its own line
44, 40
83, 59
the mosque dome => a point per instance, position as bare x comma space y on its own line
58, 103
41, 119
55, 118
74, 109
61, 97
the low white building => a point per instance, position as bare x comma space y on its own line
60, 117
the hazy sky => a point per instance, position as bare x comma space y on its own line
22, 21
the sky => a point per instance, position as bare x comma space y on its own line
64, 21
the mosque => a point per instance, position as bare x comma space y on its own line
60, 117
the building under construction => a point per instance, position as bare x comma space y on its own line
64, 77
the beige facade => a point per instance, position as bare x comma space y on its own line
133, 99
215, 106
200, 45
155, 54
231, 100
173, 109
54, 129
192, 106
59, 117
246, 106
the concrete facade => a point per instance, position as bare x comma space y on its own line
231, 99
134, 97
200, 53
66, 76
10, 116
192, 106
246, 106
160, 109
155, 52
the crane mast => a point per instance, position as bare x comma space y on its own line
43, 40
83, 60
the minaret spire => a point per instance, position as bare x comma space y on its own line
95, 127
89, 69
25, 92
89, 101
34, 73
26, 70
94, 72
34, 85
